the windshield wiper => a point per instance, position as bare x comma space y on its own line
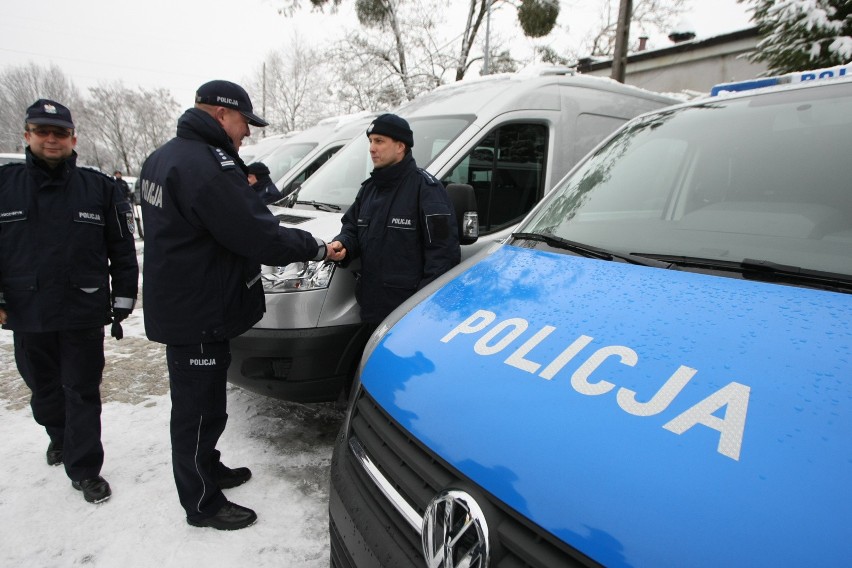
764, 270
590, 251
320, 205
768, 270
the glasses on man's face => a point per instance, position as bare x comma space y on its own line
58, 133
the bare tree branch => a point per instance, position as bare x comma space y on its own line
22, 86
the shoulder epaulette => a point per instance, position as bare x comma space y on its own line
225, 161
430, 179
94, 170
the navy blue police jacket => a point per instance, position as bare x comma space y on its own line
206, 235
402, 226
67, 251
267, 190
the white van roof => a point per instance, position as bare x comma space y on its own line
521, 90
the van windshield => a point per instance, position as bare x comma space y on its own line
339, 180
284, 157
762, 177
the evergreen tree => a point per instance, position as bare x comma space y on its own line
802, 34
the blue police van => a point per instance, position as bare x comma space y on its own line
655, 369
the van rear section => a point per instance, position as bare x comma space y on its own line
508, 137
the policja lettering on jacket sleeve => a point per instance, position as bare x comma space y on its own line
152, 193
734, 397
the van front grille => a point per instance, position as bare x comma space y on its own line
418, 476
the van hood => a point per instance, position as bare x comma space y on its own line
645, 417
322, 224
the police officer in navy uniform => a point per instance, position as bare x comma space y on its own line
206, 234
128, 192
65, 233
401, 225
262, 184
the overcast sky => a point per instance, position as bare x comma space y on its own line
180, 44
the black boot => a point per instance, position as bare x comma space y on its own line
229, 518
227, 478
95, 489
54, 454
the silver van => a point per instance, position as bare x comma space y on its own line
510, 137
293, 158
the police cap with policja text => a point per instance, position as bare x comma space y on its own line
50, 113
228, 95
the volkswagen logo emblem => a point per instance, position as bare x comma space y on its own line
455, 534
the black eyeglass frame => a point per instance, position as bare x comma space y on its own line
58, 132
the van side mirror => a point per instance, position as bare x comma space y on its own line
464, 202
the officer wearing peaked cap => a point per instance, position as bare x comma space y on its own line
66, 238
206, 235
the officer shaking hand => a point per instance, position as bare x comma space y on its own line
206, 235
401, 225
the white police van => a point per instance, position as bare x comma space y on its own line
294, 158
510, 137
655, 369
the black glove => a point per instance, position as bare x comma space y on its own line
118, 316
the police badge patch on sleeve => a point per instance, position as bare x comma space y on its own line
123, 208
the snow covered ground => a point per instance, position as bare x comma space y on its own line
46, 523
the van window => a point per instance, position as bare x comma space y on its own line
309, 171
506, 171
280, 160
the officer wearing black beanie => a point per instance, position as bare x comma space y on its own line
402, 225
262, 184
394, 127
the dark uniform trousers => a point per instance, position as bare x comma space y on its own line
63, 369
198, 380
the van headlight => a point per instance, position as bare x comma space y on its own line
297, 276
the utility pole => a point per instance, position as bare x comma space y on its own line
486, 60
263, 100
622, 35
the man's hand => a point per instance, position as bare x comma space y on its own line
3, 316
118, 316
336, 251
